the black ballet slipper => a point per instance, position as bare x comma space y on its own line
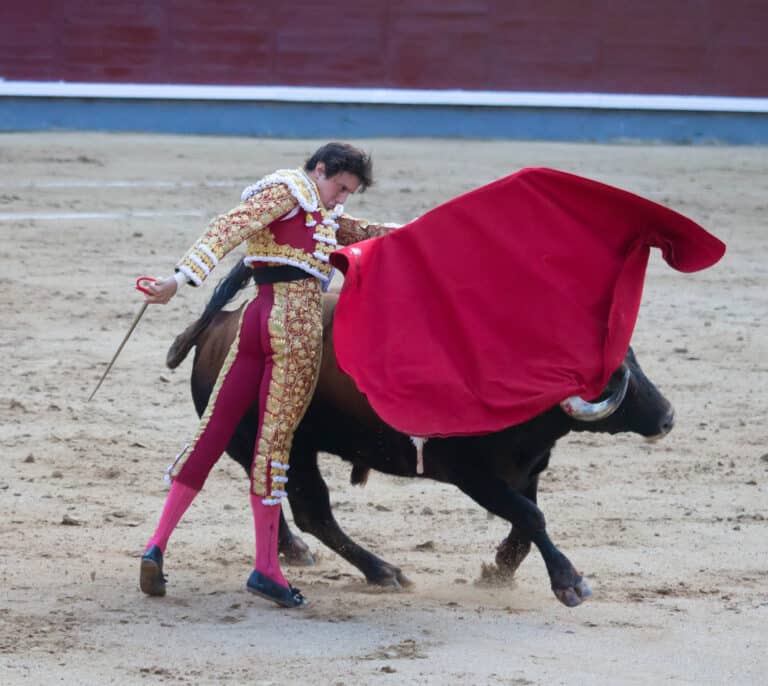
285, 596
151, 577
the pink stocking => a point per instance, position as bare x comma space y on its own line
266, 523
179, 498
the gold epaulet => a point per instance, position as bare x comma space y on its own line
297, 182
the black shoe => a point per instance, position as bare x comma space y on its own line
151, 577
286, 596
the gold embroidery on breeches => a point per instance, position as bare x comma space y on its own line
296, 335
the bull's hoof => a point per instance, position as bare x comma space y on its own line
296, 553
573, 595
390, 577
403, 580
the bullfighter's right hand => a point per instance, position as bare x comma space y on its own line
161, 291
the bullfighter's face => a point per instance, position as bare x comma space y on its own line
334, 190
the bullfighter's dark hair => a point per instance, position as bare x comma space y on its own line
343, 157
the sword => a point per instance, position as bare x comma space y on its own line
139, 287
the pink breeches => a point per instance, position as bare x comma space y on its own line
275, 360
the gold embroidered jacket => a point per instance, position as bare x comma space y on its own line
281, 221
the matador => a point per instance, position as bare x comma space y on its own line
290, 222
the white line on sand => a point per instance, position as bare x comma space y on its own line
136, 214
121, 183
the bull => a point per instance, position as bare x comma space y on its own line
500, 470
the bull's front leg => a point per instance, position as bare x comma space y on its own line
516, 546
527, 519
311, 508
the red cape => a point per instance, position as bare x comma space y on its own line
499, 304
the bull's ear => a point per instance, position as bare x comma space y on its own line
585, 411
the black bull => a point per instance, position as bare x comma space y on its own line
500, 471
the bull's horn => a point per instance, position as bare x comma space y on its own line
584, 411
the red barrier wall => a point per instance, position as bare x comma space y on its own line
691, 47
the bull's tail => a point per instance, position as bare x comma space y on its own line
225, 290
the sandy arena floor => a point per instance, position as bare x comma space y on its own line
673, 536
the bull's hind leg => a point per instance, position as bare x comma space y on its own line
292, 549
311, 507
527, 519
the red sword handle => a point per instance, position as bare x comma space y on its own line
140, 283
